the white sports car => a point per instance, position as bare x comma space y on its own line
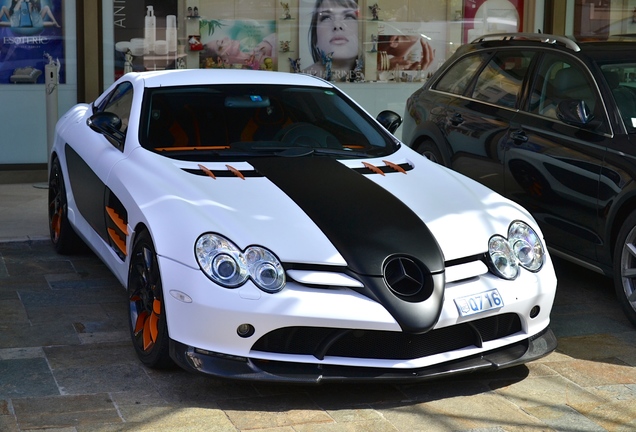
266, 227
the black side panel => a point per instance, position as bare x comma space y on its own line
88, 191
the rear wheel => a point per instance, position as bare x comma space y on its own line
63, 237
148, 327
429, 150
625, 267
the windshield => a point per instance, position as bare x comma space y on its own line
235, 122
621, 78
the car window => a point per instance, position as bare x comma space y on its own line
500, 81
559, 79
235, 122
120, 103
459, 76
620, 79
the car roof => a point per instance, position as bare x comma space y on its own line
617, 47
180, 77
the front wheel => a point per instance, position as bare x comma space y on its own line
147, 313
625, 267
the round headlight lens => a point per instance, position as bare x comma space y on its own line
265, 269
526, 245
221, 260
224, 263
503, 260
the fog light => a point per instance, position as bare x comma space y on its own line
245, 330
535, 311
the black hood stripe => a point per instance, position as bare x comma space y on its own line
364, 221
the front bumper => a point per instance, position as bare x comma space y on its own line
241, 368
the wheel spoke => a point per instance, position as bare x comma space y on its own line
141, 321
632, 297
148, 343
153, 323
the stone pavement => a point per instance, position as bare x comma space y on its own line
67, 364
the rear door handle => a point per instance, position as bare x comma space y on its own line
519, 136
456, 119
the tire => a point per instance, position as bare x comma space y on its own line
430, 151
64, 239
147, 315
625, 267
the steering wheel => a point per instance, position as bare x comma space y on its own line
307, 135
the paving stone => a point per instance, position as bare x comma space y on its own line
8, 424
597, 346
464, 413
88, 379
566, 326
617, 416
594, 373
183, 388
21, 353
564, 418
19, 335
26, 378
375, 426
12, 311
70, 297
65, 411
94, 355
154, 418
549, 390
341, 396
266, 412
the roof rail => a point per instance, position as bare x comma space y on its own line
541, 37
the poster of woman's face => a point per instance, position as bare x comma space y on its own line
329, 38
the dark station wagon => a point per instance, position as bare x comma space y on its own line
549, 122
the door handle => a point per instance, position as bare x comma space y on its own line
456, 119
519, 137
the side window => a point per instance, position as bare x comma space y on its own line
558, 79
500, 81
458, 77
120, 103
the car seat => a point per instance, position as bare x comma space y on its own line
570, 83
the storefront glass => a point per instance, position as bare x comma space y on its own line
343, 41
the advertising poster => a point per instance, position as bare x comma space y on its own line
239, 44
491, 16
145, 34
330, 39
31, 35
409, 51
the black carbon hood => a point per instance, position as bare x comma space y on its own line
382, 240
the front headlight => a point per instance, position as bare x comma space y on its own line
228, 266
522, 248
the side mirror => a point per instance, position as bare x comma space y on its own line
390, 120
107, 124
574, 112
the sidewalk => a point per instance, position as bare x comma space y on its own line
67, 363
23, 212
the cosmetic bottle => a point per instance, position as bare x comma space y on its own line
171, 32
150, 29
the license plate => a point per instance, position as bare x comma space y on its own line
476, 303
